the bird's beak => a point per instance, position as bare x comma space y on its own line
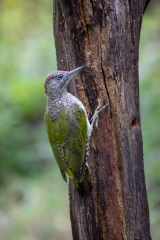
70, 75
74, 72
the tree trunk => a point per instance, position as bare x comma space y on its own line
104, 36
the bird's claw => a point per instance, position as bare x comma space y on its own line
94, 118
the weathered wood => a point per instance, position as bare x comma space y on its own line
104, 35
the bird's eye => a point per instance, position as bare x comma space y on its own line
58, 77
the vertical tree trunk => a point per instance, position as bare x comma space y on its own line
104, 35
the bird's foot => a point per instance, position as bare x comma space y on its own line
94, 118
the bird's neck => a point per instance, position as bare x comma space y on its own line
55, 103
53, 99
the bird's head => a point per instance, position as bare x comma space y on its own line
56, 82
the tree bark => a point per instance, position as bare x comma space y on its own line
104, 36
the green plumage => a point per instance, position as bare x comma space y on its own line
67, 138
67, 126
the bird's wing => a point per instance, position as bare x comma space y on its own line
57, 133
76, 144
67, 135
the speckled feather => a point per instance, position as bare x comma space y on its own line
67, 126
67, 131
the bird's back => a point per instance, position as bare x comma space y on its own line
66, 124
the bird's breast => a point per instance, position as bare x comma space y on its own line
66, 104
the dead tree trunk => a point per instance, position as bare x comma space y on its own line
104, 35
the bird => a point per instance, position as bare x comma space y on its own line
69, 129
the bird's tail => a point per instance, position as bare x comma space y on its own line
85, 185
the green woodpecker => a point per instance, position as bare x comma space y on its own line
69, 129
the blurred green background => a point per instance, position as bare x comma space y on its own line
33, 196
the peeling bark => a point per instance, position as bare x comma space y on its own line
104, 36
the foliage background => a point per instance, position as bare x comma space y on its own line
33, 196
